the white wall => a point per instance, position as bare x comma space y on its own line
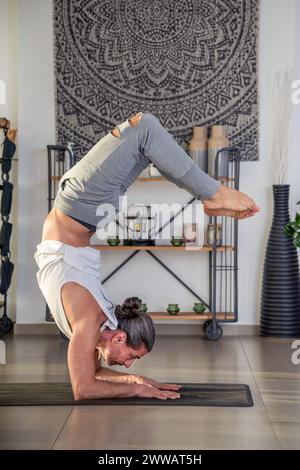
142, 276
295, 161
36, 129
276, 50
8, 73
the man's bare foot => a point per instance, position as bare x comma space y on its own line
4, 123
135, 119
116, 133
11, 135
230, 213
231, 203
132, 121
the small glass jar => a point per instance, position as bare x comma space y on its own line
190, 233
211, 234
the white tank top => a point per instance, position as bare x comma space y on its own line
60, 263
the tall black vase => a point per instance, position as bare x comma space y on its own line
280, 303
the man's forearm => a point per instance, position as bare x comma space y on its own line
105, 389
110, 375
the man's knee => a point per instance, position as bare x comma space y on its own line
149, 120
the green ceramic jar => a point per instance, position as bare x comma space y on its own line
173, 309
199, 307
143, 308
177, 241
113, 241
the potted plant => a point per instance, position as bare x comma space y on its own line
292, 230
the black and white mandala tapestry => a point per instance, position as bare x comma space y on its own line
188, 62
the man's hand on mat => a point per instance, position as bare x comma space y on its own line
160, 386
231, 203
147, 391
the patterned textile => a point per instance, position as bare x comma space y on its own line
189, 62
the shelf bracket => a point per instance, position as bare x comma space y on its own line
163, 265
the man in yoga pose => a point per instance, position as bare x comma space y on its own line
69, 269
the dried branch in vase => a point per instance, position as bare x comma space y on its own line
281, 107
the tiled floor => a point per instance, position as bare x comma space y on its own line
264, 364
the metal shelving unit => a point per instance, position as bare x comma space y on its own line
223, 271
60, 159
223, 260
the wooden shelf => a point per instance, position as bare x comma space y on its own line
184, 316
162, 178
225, 180
151, 178
161, 248
147, 179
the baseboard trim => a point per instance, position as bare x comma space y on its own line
48, 328
161, 329
192, 330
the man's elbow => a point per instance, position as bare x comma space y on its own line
81, 392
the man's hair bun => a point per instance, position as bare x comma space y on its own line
130, 308
137, 324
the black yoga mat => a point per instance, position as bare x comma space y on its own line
20, 394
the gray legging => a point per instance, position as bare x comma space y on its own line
105, 173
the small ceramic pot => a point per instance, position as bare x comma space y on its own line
199, 307
173, 309
177, 241
113, 241
143, 308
